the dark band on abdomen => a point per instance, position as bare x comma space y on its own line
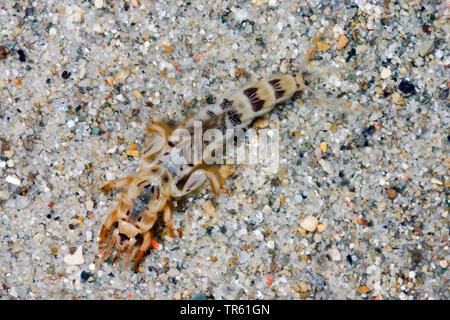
252, 96
275, 83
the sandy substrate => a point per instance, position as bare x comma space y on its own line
78, 82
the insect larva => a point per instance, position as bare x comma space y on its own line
164, 175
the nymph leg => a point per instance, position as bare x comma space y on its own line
156, 141
167, 218
146, 241
107, 226
195, 180
117, 184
